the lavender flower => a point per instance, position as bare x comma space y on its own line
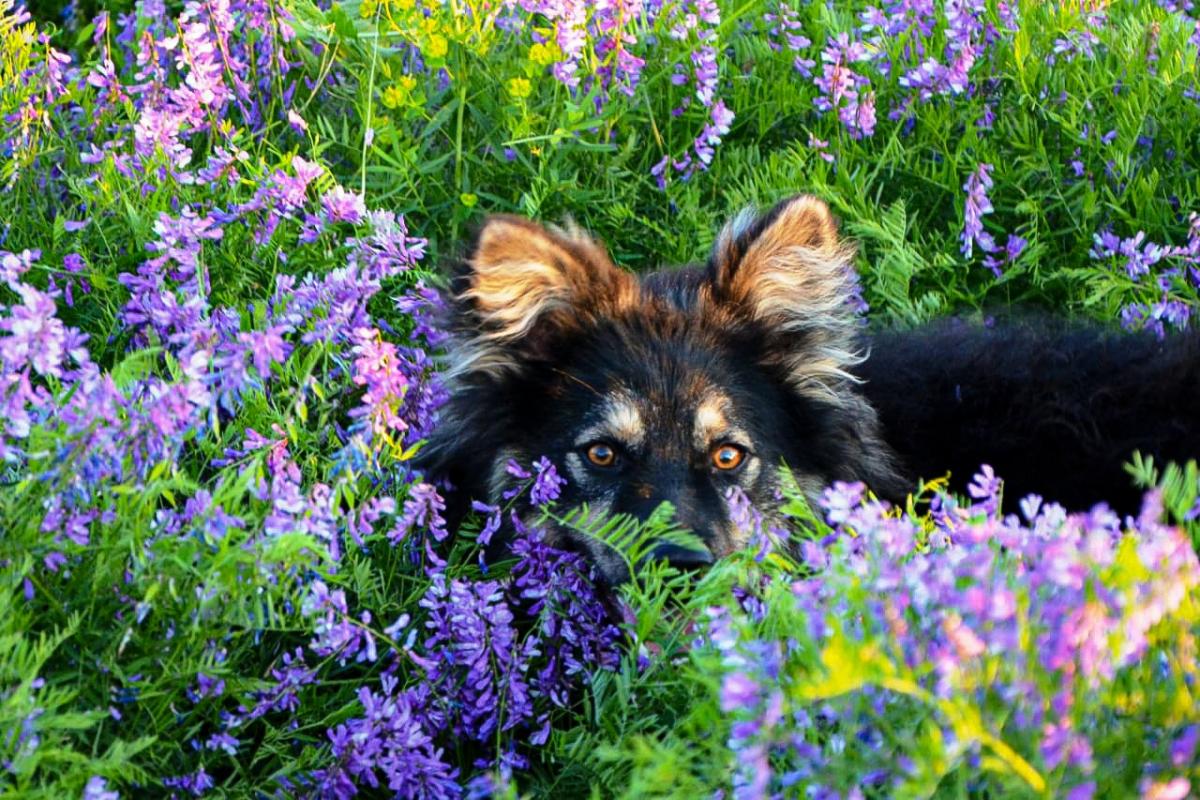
547, 485
977, 205
843, 90
97, 789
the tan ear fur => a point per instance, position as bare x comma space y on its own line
788, 270
522, 277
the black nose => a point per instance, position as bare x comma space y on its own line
682, 558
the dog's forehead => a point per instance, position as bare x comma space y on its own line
648, 371
640, 409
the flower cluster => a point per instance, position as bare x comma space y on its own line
1031, 620
482, 678
844, 91
974, 235
582, 32
697, 23
1140, 259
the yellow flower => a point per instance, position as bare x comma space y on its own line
542, 54
519, 87
367, 9
400, 92
437, 46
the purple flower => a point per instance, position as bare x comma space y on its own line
838, 500
1084, 791
422, 509
985, 488
335, 631
1013, 247
35, 338
492, 523
547, 485
1140, 255
1174, 789
739, 690
842, 90
14, 265
223, 742
473, 658
390, 744
195, 784
977, 205
97, 789
1183, 748
340, 205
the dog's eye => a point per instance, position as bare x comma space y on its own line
602, 455
728, 456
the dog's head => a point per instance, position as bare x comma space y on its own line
673, 387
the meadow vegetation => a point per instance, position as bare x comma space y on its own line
221, 225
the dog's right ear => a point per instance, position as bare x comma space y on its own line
522, 284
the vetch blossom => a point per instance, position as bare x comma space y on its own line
977, 205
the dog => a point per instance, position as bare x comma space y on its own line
683, 384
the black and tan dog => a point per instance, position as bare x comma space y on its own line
677, 385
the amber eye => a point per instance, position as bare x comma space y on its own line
602, 455
728, 456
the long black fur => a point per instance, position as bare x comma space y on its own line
1055, 408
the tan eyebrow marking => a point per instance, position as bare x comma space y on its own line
709, 421
620, 419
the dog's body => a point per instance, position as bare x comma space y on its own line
684, 384
1055, 409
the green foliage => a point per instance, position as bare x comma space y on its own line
438, 149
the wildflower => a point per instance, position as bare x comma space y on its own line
422, 509
474, 659
195, 784
822, 148
839, 499
547, 485
97, 789
223, 742
738, 690
297, 121
36, 337
340, 205
977, 205
14, 265
335, 632
391, 743
575, 631
842, 89
1174, 789
1139, 254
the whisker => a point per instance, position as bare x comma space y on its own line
580, 381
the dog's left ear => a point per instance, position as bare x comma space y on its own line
788, 271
